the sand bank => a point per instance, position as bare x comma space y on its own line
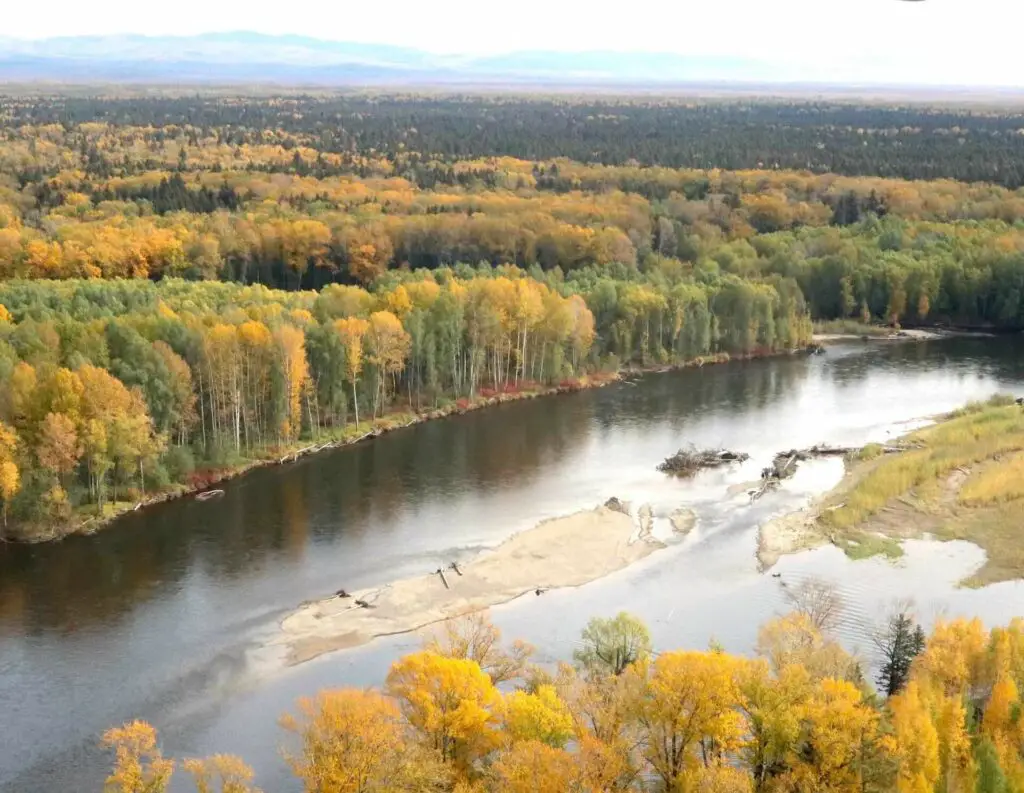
562, 552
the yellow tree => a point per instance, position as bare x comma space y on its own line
291, 346
389, 347
956, 758
10, 476
793, 639
603, 767
690, 713
354, 742
19, 397
837, 726
533, 767
916, 742
717, 779
139, 766
352, 331
58, 448
773, 707
451, 701
538, 716
222, 773
953, 658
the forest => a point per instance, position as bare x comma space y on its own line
190, 285
852, 137
471, 714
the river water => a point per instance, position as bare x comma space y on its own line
169, 614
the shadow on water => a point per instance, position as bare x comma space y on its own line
161, 616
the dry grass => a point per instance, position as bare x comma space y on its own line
968, 439
965, 481
995, 484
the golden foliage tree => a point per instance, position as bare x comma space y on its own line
355, 742
139, 767
451, 701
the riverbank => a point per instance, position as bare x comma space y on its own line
842, 331
885, 334
959, 479
87, 521
562, 552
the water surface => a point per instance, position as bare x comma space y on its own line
166, 615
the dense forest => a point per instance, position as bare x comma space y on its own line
854, 138
190, 284
469, 714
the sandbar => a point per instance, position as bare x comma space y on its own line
563, 552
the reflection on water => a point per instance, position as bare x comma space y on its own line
162, 616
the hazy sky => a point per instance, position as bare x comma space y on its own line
973, 39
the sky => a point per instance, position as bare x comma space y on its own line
975, 40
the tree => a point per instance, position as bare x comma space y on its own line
355, 742
689, 713
222, 773
539, 716
473, 636
389, 347
58, 449
291, 350
610, 646
829, 757
773, 708
533, 767
899, 643
139, 766
818, 601
916, 742
451, 701
793, 639
352, 331
991, 778
10, 475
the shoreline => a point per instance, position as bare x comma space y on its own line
873, 334
386, 424
560, 552
955, 478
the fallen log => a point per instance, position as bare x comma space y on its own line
207, 495
687, 462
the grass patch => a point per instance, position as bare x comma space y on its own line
962, 479
869, 452
995, 484
865, 545
960, 442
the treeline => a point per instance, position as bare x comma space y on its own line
470, 715
901, 141
113, 389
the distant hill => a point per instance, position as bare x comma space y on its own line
252, 57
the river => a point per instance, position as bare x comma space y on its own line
167, 615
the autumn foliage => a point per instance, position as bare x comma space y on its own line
693, 721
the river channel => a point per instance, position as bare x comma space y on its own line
170, 614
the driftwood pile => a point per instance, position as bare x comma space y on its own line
687, 462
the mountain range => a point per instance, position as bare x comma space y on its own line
241, 57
